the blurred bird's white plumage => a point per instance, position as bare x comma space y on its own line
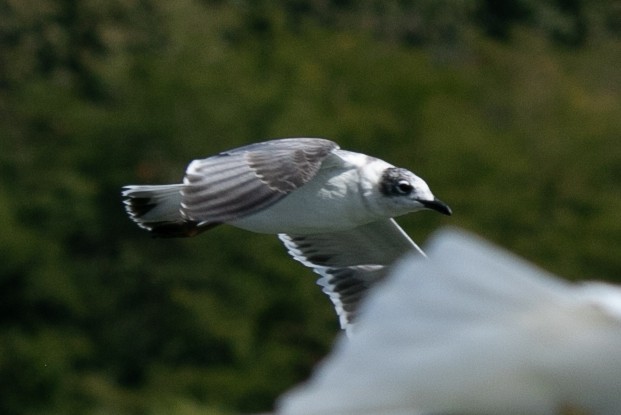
332, 208
473, 330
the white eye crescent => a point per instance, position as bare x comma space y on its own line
404, 187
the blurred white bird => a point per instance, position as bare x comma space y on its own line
332, 208
473, 330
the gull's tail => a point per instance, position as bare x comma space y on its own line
158, 210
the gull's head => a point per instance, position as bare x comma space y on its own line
405, 192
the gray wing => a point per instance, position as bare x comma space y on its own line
351, 262
245, 180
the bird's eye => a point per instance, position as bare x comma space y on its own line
404, 187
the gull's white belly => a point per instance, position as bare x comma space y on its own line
330, 202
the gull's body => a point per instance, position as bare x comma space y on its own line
332, 208
329, 202
473, 330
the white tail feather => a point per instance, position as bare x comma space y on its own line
149, 206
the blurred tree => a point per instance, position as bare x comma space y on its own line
519, 136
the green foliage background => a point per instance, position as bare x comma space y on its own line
510, 110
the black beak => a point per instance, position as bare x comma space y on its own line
438, 206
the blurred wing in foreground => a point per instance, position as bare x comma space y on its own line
473, 329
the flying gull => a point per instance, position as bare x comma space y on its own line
333, 209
